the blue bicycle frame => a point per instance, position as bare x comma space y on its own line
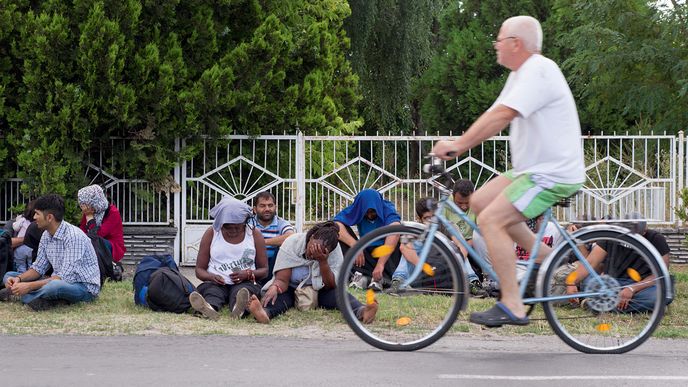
439, 218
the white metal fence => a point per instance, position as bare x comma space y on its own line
314, 177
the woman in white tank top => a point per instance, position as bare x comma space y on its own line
231, 259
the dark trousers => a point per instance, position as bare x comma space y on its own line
271, 267
370, 262
327, 299
219, 295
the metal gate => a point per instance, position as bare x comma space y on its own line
314, 177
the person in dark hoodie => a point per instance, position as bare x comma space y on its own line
368, 212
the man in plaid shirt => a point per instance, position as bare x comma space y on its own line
65, 248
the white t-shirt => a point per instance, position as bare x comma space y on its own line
545, 137
227, 258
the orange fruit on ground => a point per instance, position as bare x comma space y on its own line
403, 321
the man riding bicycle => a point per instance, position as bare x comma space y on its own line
547, 157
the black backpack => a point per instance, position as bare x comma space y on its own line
108, 269
168, 291
144, 269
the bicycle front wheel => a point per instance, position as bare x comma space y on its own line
605, 323
408, 318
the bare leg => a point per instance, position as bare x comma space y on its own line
481, 198
495, 221
519, 232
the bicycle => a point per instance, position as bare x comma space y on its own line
427, 304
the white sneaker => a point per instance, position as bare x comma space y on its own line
375, 285
358, 281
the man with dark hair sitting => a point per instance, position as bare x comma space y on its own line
274, 229
65, 248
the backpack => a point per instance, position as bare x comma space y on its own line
143, 272
104, 255
168, 291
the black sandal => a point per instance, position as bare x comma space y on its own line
497, 316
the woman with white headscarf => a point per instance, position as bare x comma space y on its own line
231, 259
98, 213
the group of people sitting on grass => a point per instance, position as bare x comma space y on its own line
250, 259
55, 262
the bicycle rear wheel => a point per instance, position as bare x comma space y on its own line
408, 318
596, 324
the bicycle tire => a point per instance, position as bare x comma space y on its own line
591, 328
422, 325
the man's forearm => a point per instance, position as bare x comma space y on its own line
29, 275
277, 241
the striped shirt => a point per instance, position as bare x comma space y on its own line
277, 228
71, 255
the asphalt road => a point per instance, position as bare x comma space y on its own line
280, 361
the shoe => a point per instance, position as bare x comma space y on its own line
476, 289
375, 285
396, 285
202, 306
492, 289
41, 304
358, 281
497, 316
241, 303
7, 296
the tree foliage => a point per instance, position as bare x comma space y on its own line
627, 62
464, 78
74, 75
392, 44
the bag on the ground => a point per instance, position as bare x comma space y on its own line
305, 298
144, 269
168, 291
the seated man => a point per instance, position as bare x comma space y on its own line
274, 229
410, 256
65, 248
461, 194
368, 212
615, 260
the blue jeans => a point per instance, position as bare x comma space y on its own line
642, 301
56, 290
405, 268
22, 258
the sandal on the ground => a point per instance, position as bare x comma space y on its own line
497, 316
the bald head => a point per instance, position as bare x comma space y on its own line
527, 29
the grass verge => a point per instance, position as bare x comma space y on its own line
114, 313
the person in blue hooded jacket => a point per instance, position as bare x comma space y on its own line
368, 212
